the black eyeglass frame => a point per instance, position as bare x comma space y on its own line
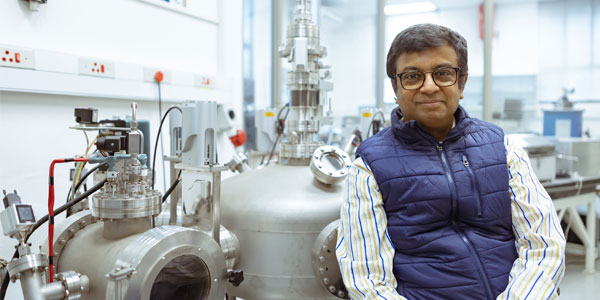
456, 69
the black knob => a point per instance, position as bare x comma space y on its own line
235, 277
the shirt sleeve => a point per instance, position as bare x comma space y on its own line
539, 238
364, 249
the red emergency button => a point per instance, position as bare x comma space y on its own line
238, 139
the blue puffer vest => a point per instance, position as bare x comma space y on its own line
448, 207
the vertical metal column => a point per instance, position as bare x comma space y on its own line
276, 26
380, 58
488, 32
248, 93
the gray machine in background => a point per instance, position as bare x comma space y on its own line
578, 155
542, 154
555, 158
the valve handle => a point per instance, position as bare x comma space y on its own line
235, 277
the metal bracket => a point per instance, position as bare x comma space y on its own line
118, 282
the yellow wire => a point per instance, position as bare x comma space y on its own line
76, 179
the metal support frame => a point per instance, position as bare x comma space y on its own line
586, 232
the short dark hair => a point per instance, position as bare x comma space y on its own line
421, 37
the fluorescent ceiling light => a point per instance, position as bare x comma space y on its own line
409, 8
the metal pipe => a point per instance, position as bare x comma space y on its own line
275, 59
175, 195
53, 291
133, 116
488, 32
31, 283
216, 206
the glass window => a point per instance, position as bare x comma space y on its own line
540, 49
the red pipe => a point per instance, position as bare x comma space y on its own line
51, 209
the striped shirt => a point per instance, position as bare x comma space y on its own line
365, 251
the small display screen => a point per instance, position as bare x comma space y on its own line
25, 213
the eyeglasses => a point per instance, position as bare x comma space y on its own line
442, 77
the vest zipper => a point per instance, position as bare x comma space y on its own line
449, 177
451, 183
474, 184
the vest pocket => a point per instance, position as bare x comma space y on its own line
474, 185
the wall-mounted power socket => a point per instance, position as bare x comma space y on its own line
204, 81
150, 73
95, 67
16, 58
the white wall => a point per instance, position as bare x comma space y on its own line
122, 30
262, 45
351, 55
570, 56
514, 44
34, 126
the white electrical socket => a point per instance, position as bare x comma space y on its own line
95, 67
17, 58
204, 81
149, 74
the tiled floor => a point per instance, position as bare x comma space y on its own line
578, 285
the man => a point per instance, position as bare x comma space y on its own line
440, 205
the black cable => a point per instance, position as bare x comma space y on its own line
44, 219
373, 119
81, 180
85, 176
7, 279
172, 188
280, 126
69, 194
157, 139
273, 149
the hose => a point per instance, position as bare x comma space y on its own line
173, 186
157, 139
84, 177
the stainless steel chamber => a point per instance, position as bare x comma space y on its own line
165, 262
277, 213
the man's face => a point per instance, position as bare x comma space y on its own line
431, 106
